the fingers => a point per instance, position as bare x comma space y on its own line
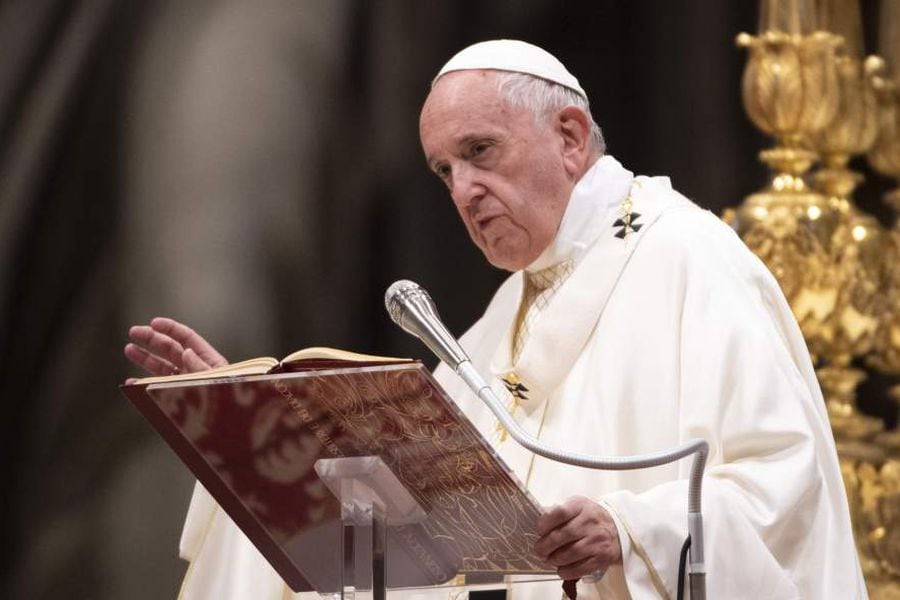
584, 530
556, 516
553, 541
167, 346
193, 363
156, 343
149, 362
582, 568
189, 339
589, 545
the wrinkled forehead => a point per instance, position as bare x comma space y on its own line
463, 88
464, 105
471, 95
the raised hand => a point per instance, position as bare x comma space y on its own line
578, 537
167, 347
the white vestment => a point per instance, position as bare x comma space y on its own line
675, 331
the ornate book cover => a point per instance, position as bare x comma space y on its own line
252, 442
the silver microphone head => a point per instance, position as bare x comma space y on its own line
399, 294
414, 311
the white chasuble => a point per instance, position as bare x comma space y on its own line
667, 329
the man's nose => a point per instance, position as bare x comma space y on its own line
467, 188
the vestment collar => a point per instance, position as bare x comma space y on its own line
600, 190
561, 332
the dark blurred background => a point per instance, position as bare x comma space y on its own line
253, 169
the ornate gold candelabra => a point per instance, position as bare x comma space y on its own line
813, 93
884, 157
789, 91
857, 271
885, 154
879, 480
840, 305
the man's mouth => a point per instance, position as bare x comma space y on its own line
483, 221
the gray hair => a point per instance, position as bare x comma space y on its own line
543, 98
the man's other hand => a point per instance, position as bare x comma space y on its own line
578, 537
167, 347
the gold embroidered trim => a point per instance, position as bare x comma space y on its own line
190, 568
538, 290
642, 553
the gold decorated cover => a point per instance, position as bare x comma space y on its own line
253, 441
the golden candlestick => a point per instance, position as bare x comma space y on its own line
884, 509
842, 18
796, 17
889, 35
840, 306
884, 157
872, 480
789, 91
814, 94
864, 263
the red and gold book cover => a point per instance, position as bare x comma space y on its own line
252, 441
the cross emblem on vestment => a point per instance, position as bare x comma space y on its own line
628, 220
515, 387
517, 390
628, 224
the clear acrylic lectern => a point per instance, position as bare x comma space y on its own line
352, 481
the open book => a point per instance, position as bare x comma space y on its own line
253, 432
307, 359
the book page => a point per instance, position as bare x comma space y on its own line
335, 354
253, 366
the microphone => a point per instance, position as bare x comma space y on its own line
414, 311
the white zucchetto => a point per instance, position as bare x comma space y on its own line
512, 55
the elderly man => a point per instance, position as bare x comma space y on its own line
633, 321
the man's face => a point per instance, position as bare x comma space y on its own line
503, 167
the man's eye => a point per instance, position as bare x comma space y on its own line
442, 171
480, 148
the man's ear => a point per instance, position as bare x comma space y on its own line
574, 128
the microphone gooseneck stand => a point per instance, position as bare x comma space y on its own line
413, 310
